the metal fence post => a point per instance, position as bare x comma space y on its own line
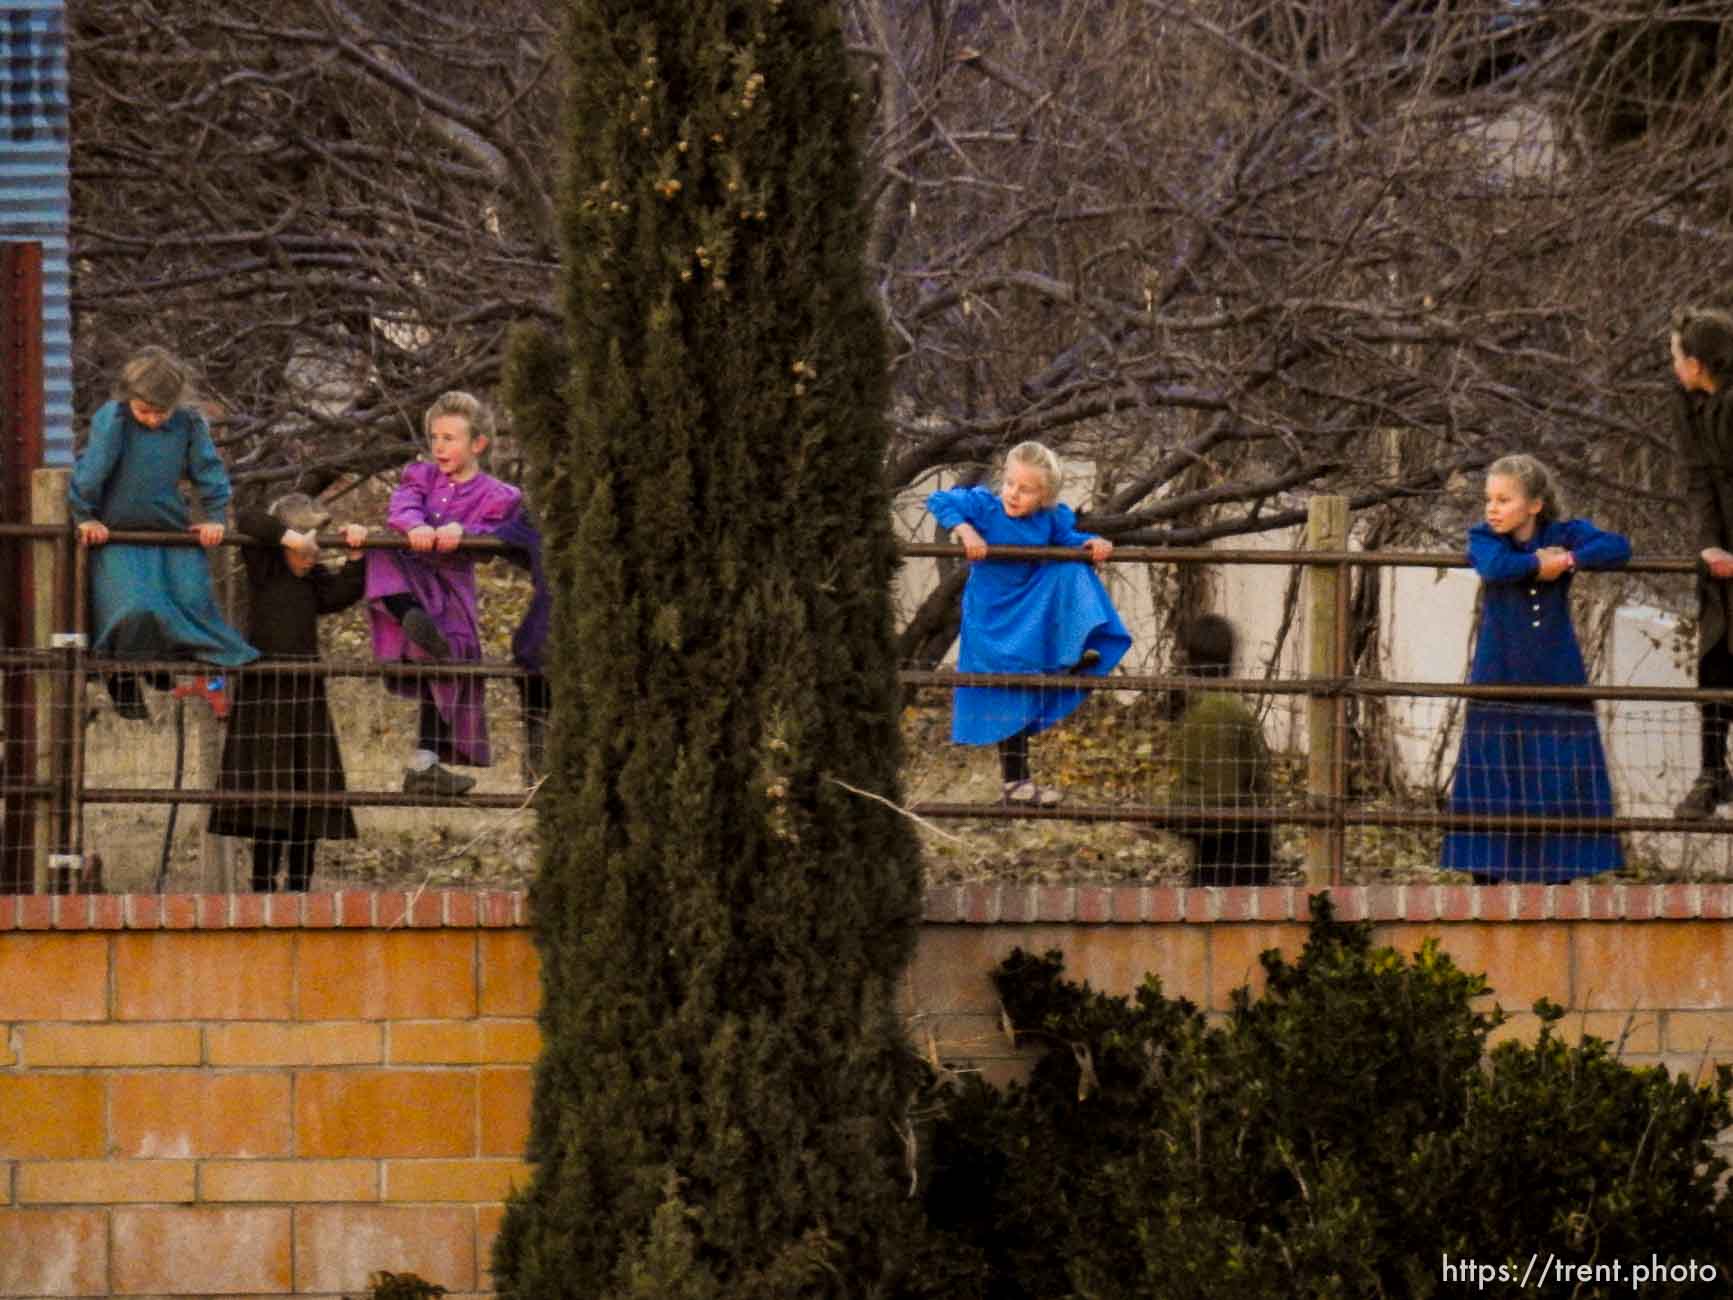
51, 606
21, 420
1326, 530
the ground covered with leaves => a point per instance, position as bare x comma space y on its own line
1113, 752
1108, 754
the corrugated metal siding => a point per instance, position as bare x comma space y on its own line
35, 200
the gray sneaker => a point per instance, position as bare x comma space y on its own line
436, 780
1708, 792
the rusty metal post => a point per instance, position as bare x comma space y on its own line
1327, 531
21, 438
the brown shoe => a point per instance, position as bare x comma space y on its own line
1708, 792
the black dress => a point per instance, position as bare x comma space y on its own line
280, 736
1705, 428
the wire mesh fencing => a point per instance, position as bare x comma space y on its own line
147, 776
1183, 781
292, 772
172, 797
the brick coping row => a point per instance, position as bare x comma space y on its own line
1170, 904
977, 904
351, 909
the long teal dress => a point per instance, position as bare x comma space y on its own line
153, 602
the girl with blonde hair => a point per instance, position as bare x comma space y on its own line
1023, 616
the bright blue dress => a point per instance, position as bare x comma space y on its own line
153, 602
1540, 759
1025, 616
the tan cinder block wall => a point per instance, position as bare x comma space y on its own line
273, 1097
236, 1095
1650, 963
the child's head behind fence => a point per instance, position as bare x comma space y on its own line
299, 511
1705, 335
1538, 483
1206, 646
1040, 458
155, 376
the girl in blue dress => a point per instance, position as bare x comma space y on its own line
1540, 759
152, 602
1025, 616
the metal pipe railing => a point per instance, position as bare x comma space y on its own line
1254, 556
1180, 816
169, 537
302, 798
1665, 564
271, 668
1322, 686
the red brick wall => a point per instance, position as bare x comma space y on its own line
245, 1096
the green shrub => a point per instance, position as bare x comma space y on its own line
1341, 1135
401, 1286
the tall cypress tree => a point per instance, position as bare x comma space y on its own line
722, 917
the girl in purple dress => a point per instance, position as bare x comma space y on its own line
423, 600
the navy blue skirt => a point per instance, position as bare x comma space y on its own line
1541, 759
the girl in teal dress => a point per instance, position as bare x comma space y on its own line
152, 602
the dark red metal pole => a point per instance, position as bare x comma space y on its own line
20, 454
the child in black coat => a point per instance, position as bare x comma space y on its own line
1702, 344
280, 737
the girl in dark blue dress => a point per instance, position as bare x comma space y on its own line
1025, 616
1541, 759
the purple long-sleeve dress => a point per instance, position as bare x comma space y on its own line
443, 584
